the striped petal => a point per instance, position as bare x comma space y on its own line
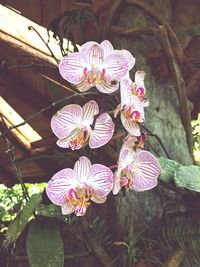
72, 67
68, 208
115, 66
66, 120
85, 47
73, 141
90, 109
100, 180
116, 182
125, 92
98, 199
82, 168
107, 87
131, 127
103, 131
139, 77
146, 170
60, 184
107, 47
129, 58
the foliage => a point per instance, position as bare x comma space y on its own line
16, 227
44, 244
196, 136
12, 199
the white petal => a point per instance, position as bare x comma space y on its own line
66, 120
60, 184
74, 136
98, 200
132, 127
116, 184
82, 168
146, 170
103, 131
139, 77
68, 208
72, 67
129, 58
100, 180
107, 47
125, 92
90, 109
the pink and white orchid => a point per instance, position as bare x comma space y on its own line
75, 126
96, 65
137, 169
72, 189
132, 110
138, 87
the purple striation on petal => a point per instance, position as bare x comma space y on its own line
116, 184
85, 47
72, 67
125, 92
90, 109
116, 66
82, 168
139, 77
129, 58
68, 208
103, 131
132, 127
98, 199
100, 180
65, 120
60, 184
146, 170
107, 47
107, 87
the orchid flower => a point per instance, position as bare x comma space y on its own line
75, 126
96, 65
72, 189
137, 169
132, 110
138, 87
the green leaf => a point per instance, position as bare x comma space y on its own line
16, 227
168, 169
44, 244
51, 211
188, 177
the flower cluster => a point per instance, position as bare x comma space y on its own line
100, 66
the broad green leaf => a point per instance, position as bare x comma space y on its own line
16, 227
52, 211
44, 244
168, 169
188, 177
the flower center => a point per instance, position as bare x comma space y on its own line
133, 114
79, 198
80, 140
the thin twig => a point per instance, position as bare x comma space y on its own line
158, 139
180, 84
31, 28
11, 154
53, 104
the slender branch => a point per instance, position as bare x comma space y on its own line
53, 104
31, 28
180, 84
11, 154
158, 139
